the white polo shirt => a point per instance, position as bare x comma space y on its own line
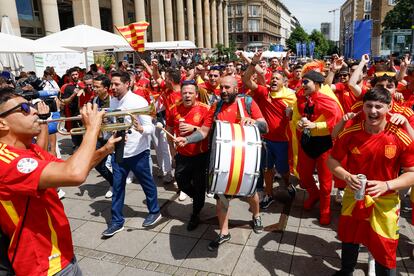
136, 142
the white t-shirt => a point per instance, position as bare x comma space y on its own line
136, 142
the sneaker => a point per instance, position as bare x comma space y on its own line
339, 196
214, 245
151, 219
210, 195
291, 191
128, 180
257, 225
61, 193
112, 230
371, 265
182, 196
168, 178
266, 202
193, 223
109, 193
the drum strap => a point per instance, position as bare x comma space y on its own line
240, 106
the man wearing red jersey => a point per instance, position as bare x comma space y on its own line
32, 215
378, 149
273, 103
229, 112
209, 91
185, 118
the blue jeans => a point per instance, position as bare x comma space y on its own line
101, 167
140, 166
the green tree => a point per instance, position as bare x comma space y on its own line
333, 48
401, 16
321, 44
297, 35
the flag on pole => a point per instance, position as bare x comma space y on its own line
134, 34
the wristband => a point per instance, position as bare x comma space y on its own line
388, 186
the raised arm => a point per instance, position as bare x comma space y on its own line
356, 75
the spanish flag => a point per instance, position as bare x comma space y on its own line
134, 34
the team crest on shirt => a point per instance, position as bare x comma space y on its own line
27, 165
196, 118
390, 151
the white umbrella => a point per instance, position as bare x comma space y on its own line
85, 38
9, 62
17, 44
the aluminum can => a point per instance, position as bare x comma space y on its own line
360, 194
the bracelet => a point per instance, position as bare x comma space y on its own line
388, 186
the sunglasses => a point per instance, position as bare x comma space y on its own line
389, 74
24, 107
343, 75
188, 82
305, 82
213, 76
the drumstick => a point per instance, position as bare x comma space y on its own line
160, 126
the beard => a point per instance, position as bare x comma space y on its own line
231, 97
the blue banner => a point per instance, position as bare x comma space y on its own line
298, 49
362, 38
304, 49
311, 48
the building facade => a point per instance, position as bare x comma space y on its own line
375, 10
256, 24
326, 30
202, 21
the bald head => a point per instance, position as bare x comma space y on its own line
229, 89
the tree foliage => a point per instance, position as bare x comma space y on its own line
401, 16
297, 35
321, 44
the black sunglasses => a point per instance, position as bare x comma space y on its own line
24, 107
305, 82
188, 82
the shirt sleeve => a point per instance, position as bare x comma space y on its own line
407, 157
339, 150
260, 92
209, 119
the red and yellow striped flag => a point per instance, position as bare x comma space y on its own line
134, 34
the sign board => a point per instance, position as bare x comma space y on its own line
61, 62
400, 39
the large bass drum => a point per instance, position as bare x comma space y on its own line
235, 159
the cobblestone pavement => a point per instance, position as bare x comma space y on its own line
304, 248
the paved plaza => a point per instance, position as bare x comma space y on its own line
304, 248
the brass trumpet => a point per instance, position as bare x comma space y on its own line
131, 113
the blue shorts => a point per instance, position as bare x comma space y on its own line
275, 154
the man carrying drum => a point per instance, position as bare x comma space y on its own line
229, 111
185, 118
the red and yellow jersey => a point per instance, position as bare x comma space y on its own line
294, 84
230, 113
208, 88
346, 97
373, 222
45, 245
140, 88
195, 115
273, 107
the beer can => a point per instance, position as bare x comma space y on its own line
360, 194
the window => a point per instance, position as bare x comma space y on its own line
238, 10
229, 9
239, 38
231, 25
367, 5
239, 25
254, 25
254, 10
253, 38
392, 2
25, 9
367, 16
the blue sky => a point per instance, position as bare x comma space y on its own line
312, 13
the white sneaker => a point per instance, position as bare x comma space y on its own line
130, 178
210, 195
182, 196
339, 196
109, 193
371, 265
61, 193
